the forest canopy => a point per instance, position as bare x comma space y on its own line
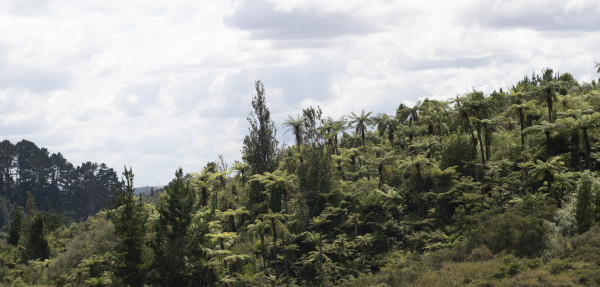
54, 182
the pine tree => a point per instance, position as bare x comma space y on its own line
35, 244
177, 210
260, 145
4, 211
16, 224
172, 240
129, 220
583, 209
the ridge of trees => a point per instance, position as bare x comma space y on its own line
56, 184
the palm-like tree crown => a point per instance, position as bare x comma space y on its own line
360, 123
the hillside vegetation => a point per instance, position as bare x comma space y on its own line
479, 190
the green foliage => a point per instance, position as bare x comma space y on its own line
16, 224
458, 151
360, 124
52, 220
564, 219
4, 211
584, 208
314, 169
520, 231
178, 253
260, 145
35, 245
77, 191
129, 220
583, 247
72, 244
176, 211
477, 191
493, 271
93, 271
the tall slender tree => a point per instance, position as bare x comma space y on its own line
581, 124
388, 124
7, 156
260, 146
129, 219
172, 241
584, 209
546, 172
260, 227
274, 219
331, 129
360, 123
548, 91
15, 227
35, 245
295, 124
521, 108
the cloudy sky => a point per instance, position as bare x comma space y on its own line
162, 84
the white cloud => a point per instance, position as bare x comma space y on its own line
162, 84
552, 15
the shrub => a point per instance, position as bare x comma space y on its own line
94, 236
557, 266
480, 253
513, 233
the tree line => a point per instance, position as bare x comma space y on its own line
56, 184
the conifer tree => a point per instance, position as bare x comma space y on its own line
175, 219
129, 220
583, 209
178, 207
260, 145
16, 224
35, 244
4, 213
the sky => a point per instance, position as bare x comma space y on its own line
158, 85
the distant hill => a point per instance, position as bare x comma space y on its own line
147, 189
